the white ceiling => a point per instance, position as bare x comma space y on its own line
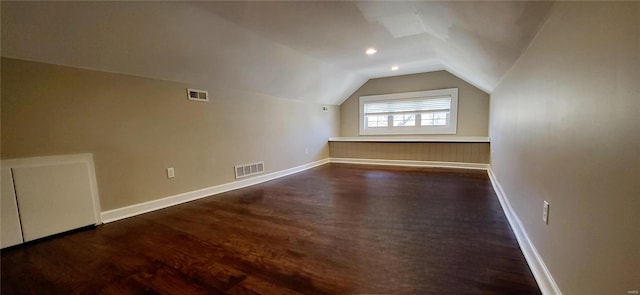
311, 51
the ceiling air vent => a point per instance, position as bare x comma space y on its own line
249, 169
199, 95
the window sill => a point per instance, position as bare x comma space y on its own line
410, 139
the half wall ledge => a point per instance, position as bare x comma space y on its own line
409, 139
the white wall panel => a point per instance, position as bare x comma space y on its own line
53, 195
53, 199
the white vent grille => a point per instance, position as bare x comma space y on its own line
249, 169
199, 95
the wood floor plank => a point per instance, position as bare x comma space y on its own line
334, 229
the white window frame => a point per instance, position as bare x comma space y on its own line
450, 128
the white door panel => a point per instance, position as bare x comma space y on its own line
53, 198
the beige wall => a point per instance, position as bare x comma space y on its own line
565, 127
466, 152
137, 127
473, 103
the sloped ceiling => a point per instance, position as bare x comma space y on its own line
311, 51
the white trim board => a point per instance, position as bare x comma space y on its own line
540, 271
411, 139
137, 209
408, 163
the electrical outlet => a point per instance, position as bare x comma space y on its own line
171, 173
545, 212
306, 151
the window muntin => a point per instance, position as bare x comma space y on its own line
377, 121
434, 119
404, 120
425, 112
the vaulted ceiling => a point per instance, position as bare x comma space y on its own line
311, 51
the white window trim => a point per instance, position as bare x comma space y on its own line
449, 129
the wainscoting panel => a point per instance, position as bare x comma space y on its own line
467, 152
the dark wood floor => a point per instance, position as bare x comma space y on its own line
335, 229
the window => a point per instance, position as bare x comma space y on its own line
423, 112
404, 120
434, 119
377, 121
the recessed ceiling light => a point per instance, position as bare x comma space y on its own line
395, 68
371, 51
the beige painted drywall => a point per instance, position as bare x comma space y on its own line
473, 103
241, 43
137, 127
565, 127
182, 41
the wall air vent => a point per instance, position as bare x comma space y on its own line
199, 95
249, 169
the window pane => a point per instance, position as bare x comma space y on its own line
404, 120
434, 119
377, 121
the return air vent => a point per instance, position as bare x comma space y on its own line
249, 169
199, 95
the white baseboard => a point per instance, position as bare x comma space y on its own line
137, 209
410, 163
540, 271
536, 264
543, 277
